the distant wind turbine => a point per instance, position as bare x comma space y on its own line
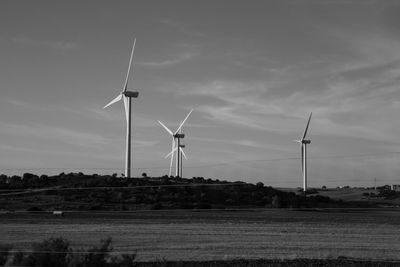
177, 147
303, 143
127, 96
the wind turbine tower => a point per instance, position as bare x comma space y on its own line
181, 147
127, 96
177, 147
303, 143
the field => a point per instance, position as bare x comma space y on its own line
370, 234
352, 194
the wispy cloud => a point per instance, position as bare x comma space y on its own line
14, 102
181, 27
178, 59
345, 96
57, 45
61, 134
144, 143
139, 119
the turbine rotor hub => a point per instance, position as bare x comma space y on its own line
179, 135
133, 94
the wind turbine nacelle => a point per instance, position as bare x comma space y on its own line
131, 94
306, 142
179, 135
182, 146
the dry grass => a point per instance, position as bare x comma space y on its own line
205, 237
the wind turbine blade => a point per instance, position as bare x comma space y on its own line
180, 126
166, 128
171, 153
172, 157
305, 131
129, 67
302, 158
183, 153
126, 105
118, 98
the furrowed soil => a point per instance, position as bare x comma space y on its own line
274, 234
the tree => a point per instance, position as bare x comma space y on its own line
260, 185
276, 201
15, 181
4, 253
3, 179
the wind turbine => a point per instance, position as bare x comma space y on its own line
177, 147
180, 154
127, 96
303, 143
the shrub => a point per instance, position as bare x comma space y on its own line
50, 252
276, 201
55, 252
34, 209
97, 256
4, 253
157, 206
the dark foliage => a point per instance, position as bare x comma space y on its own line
50, 252
57, 252
116, 193
4, 253
387, 193
34, 209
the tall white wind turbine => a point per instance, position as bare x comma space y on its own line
177, 147
303, 143
127, 96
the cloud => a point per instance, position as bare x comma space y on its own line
178, 59
180, 27
17, 103
57, 45
347, 106
261, 144
144, 143
65, 135
139, 119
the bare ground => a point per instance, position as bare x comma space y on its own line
219, 235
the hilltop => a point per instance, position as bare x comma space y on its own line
77, 191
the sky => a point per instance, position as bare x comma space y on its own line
251, 70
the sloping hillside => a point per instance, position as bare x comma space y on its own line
93, 192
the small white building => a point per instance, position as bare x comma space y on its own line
395, 187
58, 213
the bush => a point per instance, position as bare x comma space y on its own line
34, 209
97, 256
276, 202
312, 191
4, 253
55, 252
50, 252
157, 206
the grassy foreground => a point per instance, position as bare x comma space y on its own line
58, 252
264, 262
